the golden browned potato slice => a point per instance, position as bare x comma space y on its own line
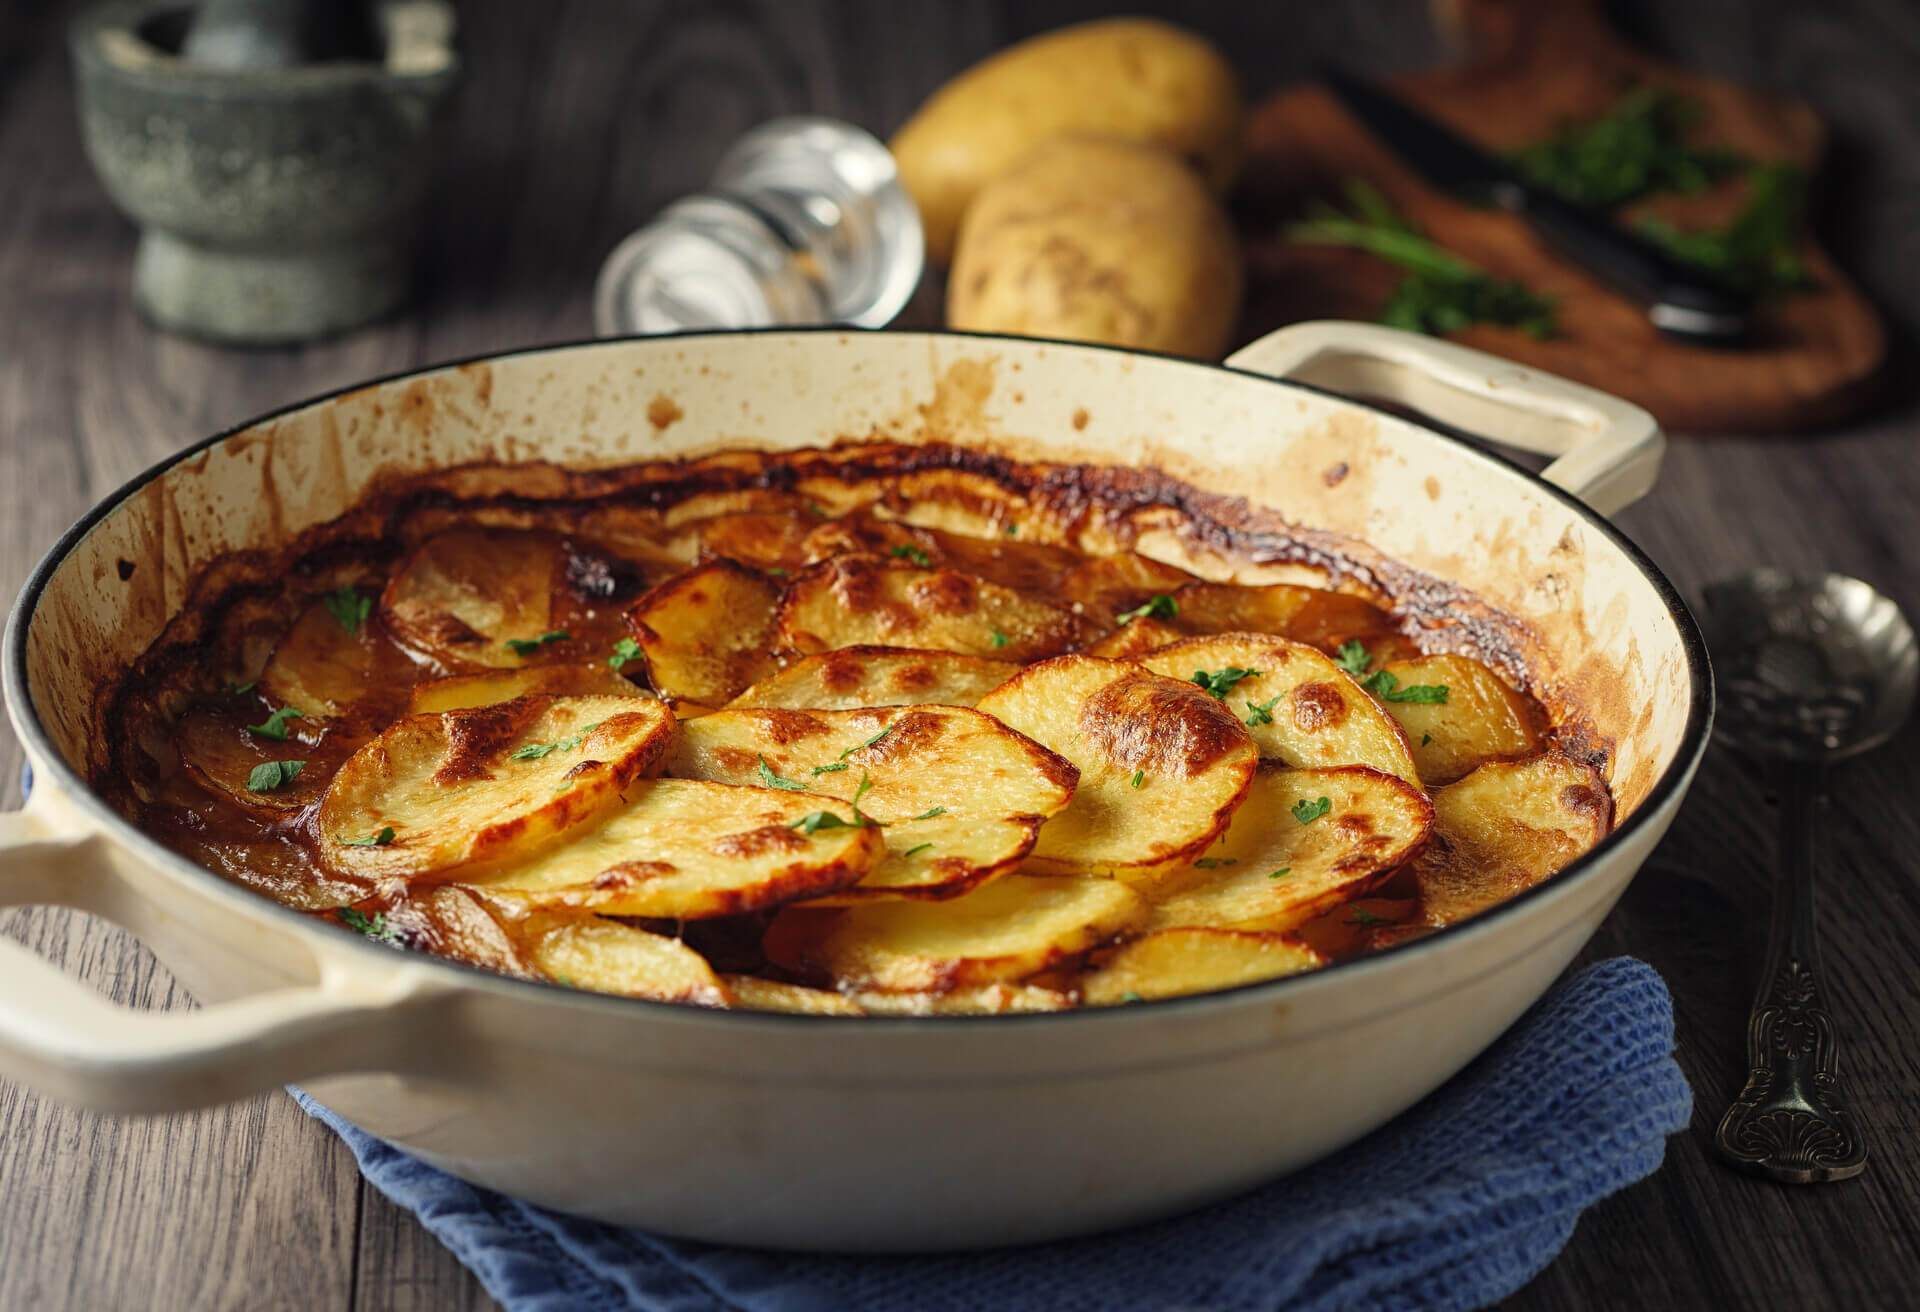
1299, 706
456, 922
707, 633
961, 796
1006, 930
460, 691
1108, 587
605, 956
879, 676
975, 1000
1309, 615
855, 600
1480, 719
491, 783
1171, 962
325, 662
272, 778
1284, 859
1134, 639
685, 849
751, 993
1162, 764
768, 540
1503, 829
463, 595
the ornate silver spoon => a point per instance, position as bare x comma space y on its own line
1811, 671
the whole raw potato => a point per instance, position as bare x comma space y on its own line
1099, 241
1127, 78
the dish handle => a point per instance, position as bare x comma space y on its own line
63, 1039
1608, 450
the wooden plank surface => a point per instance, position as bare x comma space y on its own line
578, 121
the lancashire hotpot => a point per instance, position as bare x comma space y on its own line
878, 1133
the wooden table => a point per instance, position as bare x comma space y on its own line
578, 120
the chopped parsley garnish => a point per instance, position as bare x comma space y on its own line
1755, 252
623, 651
1139, 778
1362, 916
238, 689
814, 821
1387, 688
868, 743
1425, 738
540, 751
1215, 862
374, 927
1157, 607
915, 849
1131, 996
1353, 657
1012, 530
907, 552
380, 839
830, 769
1218, 683
348, 607
929, 813
528, 646
859, 792
275, 725
772, 780
999, 639
1281, 873
1637, 147
1307, 812
1262, 712
269, 775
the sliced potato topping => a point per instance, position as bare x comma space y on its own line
605, 956
685, 849
752, 993
1170, 962
1162, 764
1134, 639
764, 539
1108, 587
490, 783
268, 777
459, 691
465, 594
1285, 858
974, 1000
1480, 720
855, 600
1006, 930
879, 676
1299, 706
322, 665
707, 633
457, 922
1309, 615
960, 794
1503, 829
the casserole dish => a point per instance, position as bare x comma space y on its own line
873, 1134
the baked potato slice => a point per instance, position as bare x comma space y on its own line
1477, 719
271, 778
859, 600
1504, 828
973, 1000
960, 795
1108, 587
325, 662
1170, 963
1136, 638
764, 539
752, 993
1300, 707
464, 595
605, 956
458, 692
1161, 764
489, 783
1290, 610
452, 921
1003, 931
879, 676
686, 849
1286, 858
707, 633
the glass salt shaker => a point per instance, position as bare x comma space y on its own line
804, 222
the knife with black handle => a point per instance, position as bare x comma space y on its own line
1681, 300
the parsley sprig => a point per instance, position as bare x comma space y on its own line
623, 651
348, 607
374, 927
1259, 713
540, 751
772, 780
528, 646
1638, 147
1307, 812
1218, 683
1387, 688
915, 554
275, 725
1159, 606
379, 838
269, 775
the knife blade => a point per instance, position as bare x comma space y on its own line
1681, 300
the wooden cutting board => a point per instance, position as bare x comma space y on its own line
1531, 66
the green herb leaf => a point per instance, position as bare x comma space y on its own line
1215, 862
1159, 606
380, 839
914, 850
528, 646
1139, 778
275, 725
868, 743
912, 553
1307, 812
1387, 688
348, 607
772, 780
929, 813
623, 651
1012, 530
999, 639
269, 775
1756, 252
540, 751
1353, 657
1362, 916
774, 571
860, 819
1281, 873
1636, 148
1218, 683
1131, 996
374, 927
818, 820
1425, 738
831, 769
237, 689
1262, 712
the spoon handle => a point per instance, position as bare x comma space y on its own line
1790, 1122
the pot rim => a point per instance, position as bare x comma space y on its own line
1660, 797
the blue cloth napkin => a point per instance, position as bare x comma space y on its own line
1456, 1204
